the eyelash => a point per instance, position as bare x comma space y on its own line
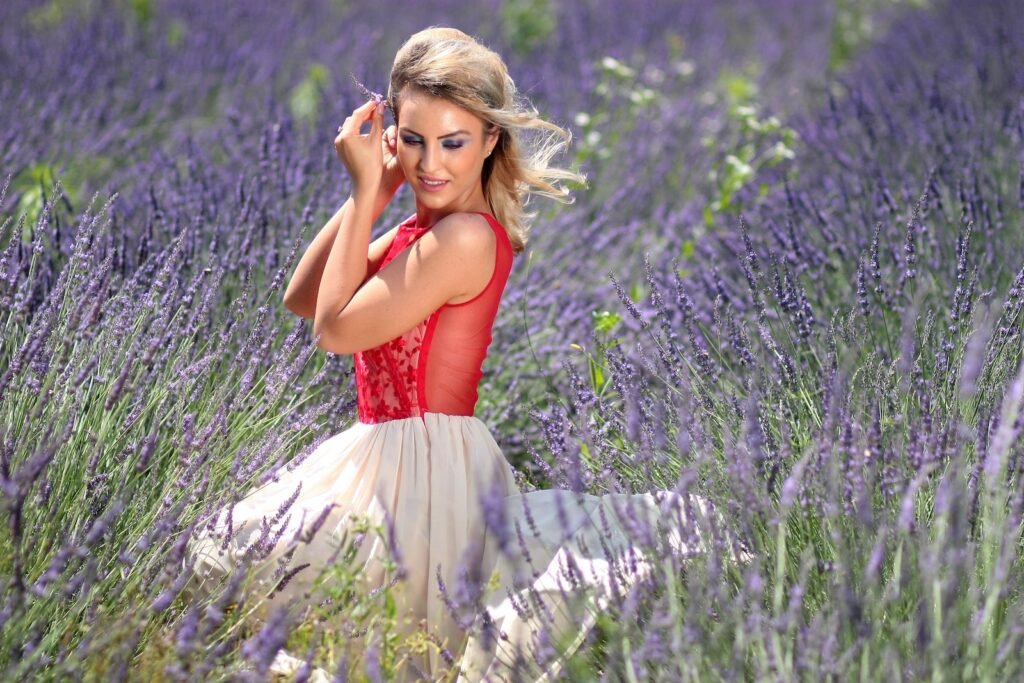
446, 145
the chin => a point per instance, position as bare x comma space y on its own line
434, 198
428, 199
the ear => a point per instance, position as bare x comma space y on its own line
492, 140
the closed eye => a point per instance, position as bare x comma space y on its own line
446, 144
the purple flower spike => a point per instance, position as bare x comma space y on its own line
370, 94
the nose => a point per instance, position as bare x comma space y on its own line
427, 159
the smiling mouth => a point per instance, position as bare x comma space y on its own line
432, 183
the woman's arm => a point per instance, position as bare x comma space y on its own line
303, 288
454, 259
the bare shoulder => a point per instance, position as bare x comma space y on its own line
466, 232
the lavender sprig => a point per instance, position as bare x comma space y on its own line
370, 94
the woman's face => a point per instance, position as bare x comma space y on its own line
442, 148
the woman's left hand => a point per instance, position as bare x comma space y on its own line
362, 154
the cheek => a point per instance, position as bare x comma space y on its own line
465, 162
406, 155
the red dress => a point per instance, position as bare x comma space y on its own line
418, 456
436, 366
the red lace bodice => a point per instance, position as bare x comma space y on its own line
436, 366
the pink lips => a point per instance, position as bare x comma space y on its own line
432, 188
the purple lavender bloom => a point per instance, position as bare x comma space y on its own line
264, 646
369, 94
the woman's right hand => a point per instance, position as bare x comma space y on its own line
356, 150
393, 176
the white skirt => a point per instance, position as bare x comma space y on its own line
429, 475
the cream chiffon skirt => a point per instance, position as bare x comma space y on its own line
560, 561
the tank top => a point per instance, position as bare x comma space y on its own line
436, 366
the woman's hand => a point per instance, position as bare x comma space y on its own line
363, 155
393, 175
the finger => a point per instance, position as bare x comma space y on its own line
366, 112
365, 108
349, 122
356, 120
378, 121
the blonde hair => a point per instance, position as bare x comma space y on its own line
447, 63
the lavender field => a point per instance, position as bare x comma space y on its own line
794, 286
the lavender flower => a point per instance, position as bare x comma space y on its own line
369, 94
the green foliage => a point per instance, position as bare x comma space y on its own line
35, 184
605, 323
686, 253
737, 87
526, 24
55, 12
630, 99
855, 23
751, 143
142, 11
305, 98
622, 98
176, 31
345, 616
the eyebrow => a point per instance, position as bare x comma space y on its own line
440, 137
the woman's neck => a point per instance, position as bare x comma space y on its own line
428, 215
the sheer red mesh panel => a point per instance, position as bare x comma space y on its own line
435, 366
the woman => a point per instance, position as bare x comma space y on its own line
415, 307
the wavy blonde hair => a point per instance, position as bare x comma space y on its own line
447, 63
